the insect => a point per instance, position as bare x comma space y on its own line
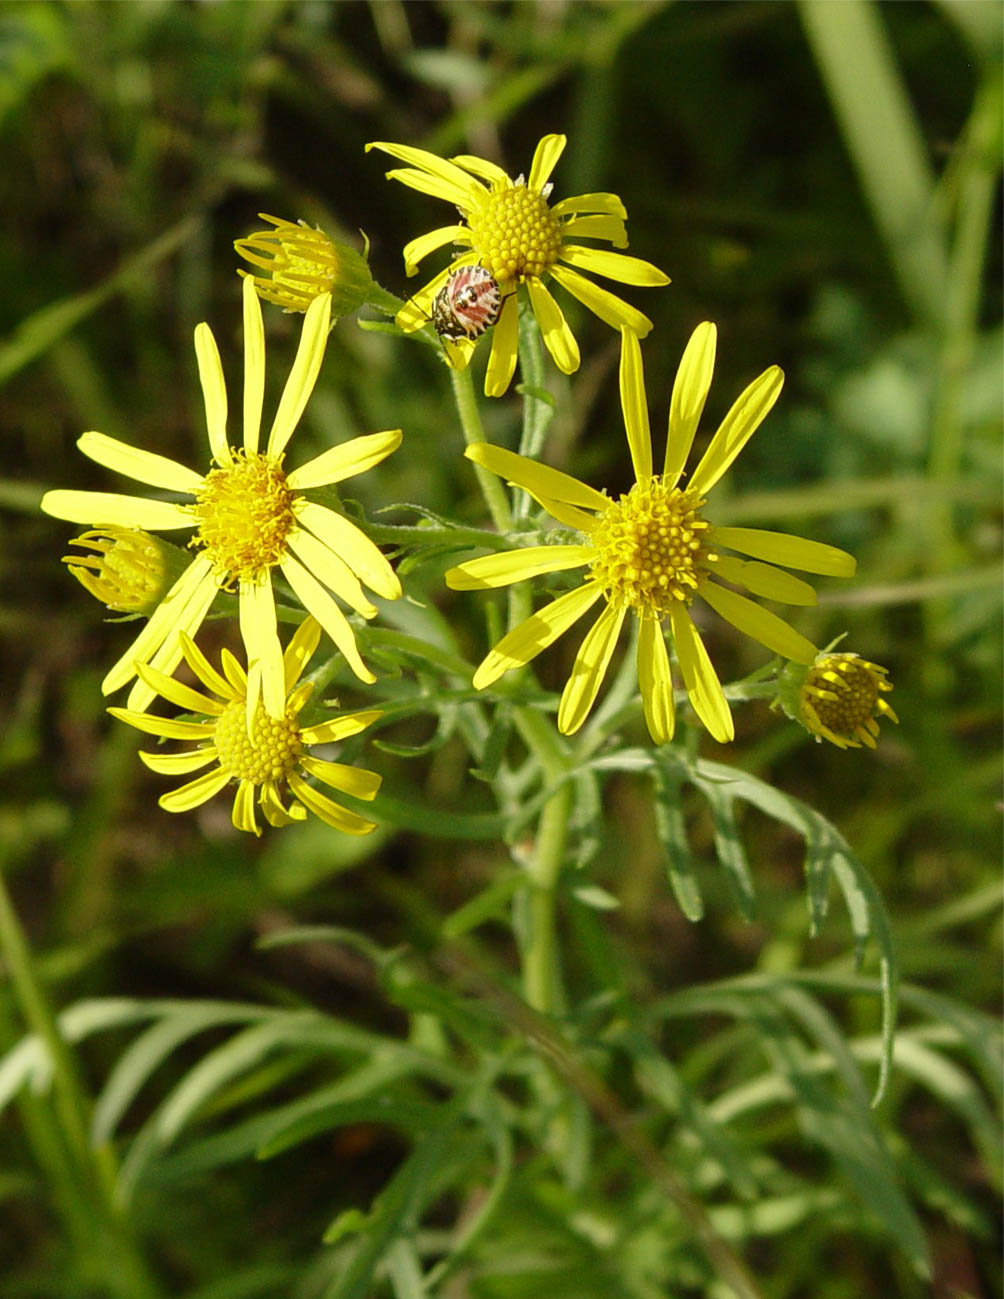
468, 303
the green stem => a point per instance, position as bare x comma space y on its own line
470, 422
537, 410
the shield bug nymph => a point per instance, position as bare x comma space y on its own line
468, 303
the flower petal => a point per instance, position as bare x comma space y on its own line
242, 813
589, 669
110, 507
345, 461
608, 204
635, 406
340, 728
535, 477
535, 633
332, 570
764, 580
176, 692
690, 392
611, 309
759, 623
168, 655
558, 338
260, 634
656, 681
699, 677
254, 366
748, 412
318, 602
303, 376
420, 248
205, 671
168, 728
435, 187
482, 168
356, 781
505, 346
783, 548
330, 812
300, 650
214, 392
178, 764
570, 515
452, 183
368, 563
614, 266
196, 792
610, 228
515, 566
143, 466
545, 159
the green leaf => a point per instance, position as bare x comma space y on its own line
673, 837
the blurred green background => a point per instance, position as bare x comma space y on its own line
822, 181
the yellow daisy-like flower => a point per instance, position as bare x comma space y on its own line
250, 515
840, 699
266, 759
301, 263
651, 552
510, 228
126, 569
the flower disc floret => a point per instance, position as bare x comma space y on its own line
650, 549
245, 513
267, 752
515, 235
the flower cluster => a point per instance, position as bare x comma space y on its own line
256, 533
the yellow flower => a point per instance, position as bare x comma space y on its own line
651, 552
265, 759
510, 228
250, 516
301, 263
128, 570
838, 698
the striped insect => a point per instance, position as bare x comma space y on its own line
468, 303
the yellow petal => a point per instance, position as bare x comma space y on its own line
254, 366
690, 392
535, 634
417, 311
610, 228
545, 158
613, 266
345, 461
570, 515
214, 392
608, 204
195, 793
144, 466
176, 692
515, 566
747, 414
764, 580
356, 781
589, 669
261, 641
602, 303
300, 650
340, 728
655, 681
535, 477
204, 670
318, 602
558, 338
368, 563
699, 677
332, 570
635, 406
303, 376
242, 812
167, 728
754, 621
783, 548
178, 764
505, 346
110, 507
434, 186
421, 247
481, 168
453, 184
330, 812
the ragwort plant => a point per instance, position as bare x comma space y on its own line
504, 1089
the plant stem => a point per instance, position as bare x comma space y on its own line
470, 422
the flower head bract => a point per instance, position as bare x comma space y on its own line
651, 552
511, 229
268, 760
251, 516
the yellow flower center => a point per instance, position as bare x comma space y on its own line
843, 692
650, 548
245, 514
515, 235
269, 753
